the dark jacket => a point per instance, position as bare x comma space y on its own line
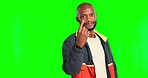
73, 57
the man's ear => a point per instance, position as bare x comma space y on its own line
77, 19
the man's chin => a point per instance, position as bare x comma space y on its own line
90, 29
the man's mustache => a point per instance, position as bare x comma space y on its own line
89, 23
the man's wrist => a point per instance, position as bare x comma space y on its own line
78, 46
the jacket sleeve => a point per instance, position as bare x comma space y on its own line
116, 75
72, 57
111, 59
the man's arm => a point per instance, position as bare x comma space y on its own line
111, 59
73, 52
72, 57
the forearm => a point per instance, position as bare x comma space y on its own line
73, 59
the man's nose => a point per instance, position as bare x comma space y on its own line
89, 18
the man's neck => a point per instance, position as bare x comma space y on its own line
92, 34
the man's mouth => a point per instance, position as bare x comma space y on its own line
89, 24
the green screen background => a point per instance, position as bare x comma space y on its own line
32, 33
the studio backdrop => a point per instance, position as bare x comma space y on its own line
32, 33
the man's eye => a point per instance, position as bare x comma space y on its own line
92, 14
82, 16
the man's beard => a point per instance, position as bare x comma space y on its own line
90, 29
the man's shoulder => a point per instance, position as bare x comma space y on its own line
104, 38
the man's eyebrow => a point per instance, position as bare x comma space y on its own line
83, 14
93, 12
89, 13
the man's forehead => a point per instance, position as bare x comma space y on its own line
85, 8
86, 11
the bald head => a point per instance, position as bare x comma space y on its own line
83, 6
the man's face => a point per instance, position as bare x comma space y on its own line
87, 14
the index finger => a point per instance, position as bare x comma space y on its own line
81, 25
